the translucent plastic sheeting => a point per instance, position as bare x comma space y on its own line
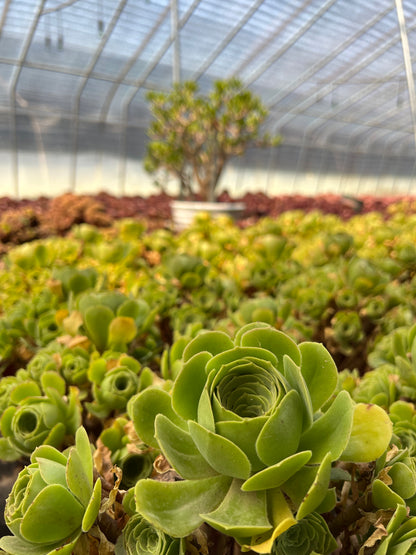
74, 76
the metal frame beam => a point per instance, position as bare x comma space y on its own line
121, 77
4, 14
350, 72
279, 96
266, 42
226, 40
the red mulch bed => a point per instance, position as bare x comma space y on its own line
156, 208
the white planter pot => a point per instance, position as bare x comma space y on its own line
184, 211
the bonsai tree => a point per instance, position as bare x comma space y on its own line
193, 136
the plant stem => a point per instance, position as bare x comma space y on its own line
350, 514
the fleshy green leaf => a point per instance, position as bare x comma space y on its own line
318, 489
237, 354
370, 435
271, 340
51, 471
276, 475
189, 385
77, 480
97, 321
244, 434
122, 329
281, 434
24, 390
7, 451
144, 408
83, 447
161, 502
223, 455
17, 546
331, 431
383, 497
282, 519
213, 342
293, 375
93, 507
6, 421
297, 486
180, 450
205, 415
241, 513
56, 435
52, 379
400, 514
407, 529
320, 372
404, 482
53, 516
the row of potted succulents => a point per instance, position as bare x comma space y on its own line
221, 390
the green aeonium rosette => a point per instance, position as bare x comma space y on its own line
53, 501
139, 537
309, 535
244, 427
38, 419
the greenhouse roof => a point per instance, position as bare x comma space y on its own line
335, 74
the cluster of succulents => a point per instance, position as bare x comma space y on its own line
215, 390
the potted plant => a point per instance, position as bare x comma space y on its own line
193, 136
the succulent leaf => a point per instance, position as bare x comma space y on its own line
364, 446
320, 372
190, 498
241, 514
331, 431
180, 450
52, 505
220, 453
277, 474
281, 434
143, 409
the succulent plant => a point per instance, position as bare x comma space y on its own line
53, 501
395, 481
395, 356
261, 309
139, 537
403, 416
189, 270
75, 280
380, 386
346, 330
400, 536
45, 360
133, 457
364, 276
36, 419
309, 535
338, 243
115, 379
346, 298
113, 320
247, 416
